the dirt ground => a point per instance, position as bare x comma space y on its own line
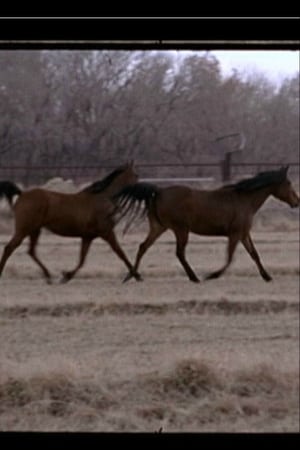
163, 354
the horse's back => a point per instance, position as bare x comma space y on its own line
32, 199
173, 205
173, 194
79, 214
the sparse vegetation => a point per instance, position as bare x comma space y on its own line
191, 396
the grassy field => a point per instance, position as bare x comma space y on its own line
165, 353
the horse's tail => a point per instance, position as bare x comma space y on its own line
8, 189
136, 200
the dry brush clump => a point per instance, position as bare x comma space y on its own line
52, 395
195, 395
192, 395
191, 377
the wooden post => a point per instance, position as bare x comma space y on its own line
226, 167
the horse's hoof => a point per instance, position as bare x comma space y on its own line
267, 278
195, 280
208, 277
128, 277
66, 276
212, 276
138, 277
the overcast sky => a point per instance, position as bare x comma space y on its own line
274, 64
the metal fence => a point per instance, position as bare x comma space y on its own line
30, 175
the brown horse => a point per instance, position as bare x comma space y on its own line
226, 211
86, 214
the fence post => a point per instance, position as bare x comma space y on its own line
226, 167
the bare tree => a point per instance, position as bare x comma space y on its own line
94, 107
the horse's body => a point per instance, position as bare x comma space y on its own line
227, 211
78, 215
86, 214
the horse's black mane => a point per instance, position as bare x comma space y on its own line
101, 185
259, 181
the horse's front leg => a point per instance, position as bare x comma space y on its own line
181, 242
115, 246
249, 246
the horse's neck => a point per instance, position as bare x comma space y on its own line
259, 197
113, 188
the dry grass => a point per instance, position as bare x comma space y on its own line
192, 395
221, 306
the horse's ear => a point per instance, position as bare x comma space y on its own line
283, 172
285, 169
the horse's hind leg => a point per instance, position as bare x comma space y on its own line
33, 239
249, 246
85, 245
181, 241
9, 249
232, 244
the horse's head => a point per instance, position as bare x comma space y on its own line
285, 192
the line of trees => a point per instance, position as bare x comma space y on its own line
96, 107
